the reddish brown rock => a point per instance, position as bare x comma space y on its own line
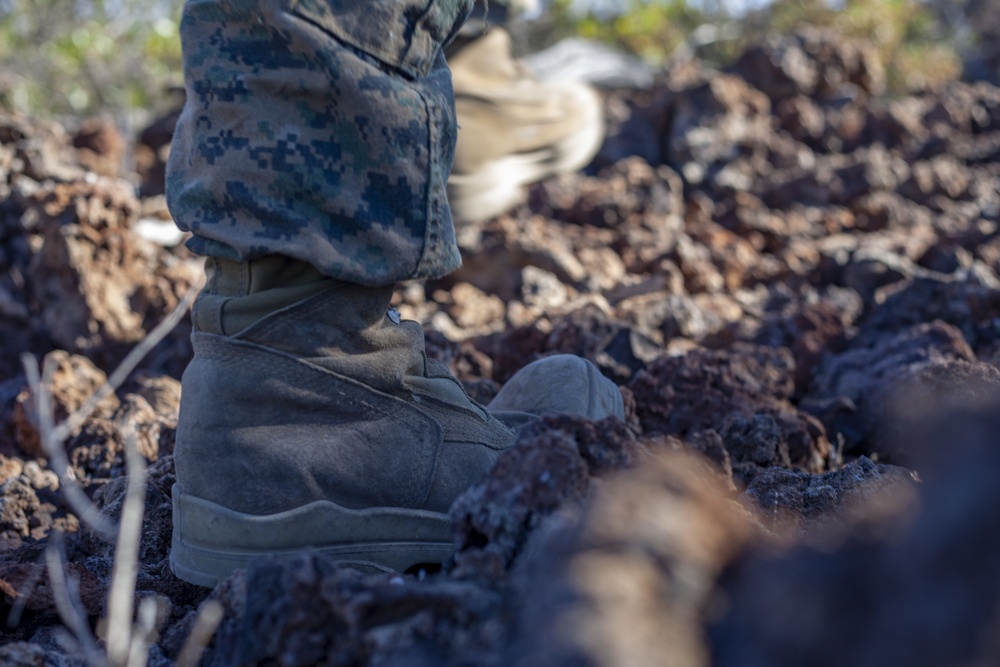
100, 147
865, 393
24, 578
731, 391
98, 452
42, 149
794, 503
813, 62
735, 115
102, 285
152, 150
550, 467
74, 380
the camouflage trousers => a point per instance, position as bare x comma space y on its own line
322, 130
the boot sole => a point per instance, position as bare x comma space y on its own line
211, 541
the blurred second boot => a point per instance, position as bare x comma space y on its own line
513, 129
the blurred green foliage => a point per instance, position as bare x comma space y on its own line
80, 57
917, 48
652, 30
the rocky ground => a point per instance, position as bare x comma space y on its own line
794, 280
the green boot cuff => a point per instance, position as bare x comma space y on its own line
237, 294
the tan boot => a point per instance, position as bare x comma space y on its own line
513, 129
311, 418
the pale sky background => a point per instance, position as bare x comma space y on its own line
611, 7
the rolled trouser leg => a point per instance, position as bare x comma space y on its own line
325, 137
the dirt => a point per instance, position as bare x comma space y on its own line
793, 279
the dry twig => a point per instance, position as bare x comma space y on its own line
144, 632
209, 616
127, 642
23, 593
53, 435
66, 597
126, 567
128, 364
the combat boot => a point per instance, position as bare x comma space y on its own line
513, 129
311, 418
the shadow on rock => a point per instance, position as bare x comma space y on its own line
924, 596
631, 581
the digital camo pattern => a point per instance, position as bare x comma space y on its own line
318, 129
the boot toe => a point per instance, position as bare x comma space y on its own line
563, 384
